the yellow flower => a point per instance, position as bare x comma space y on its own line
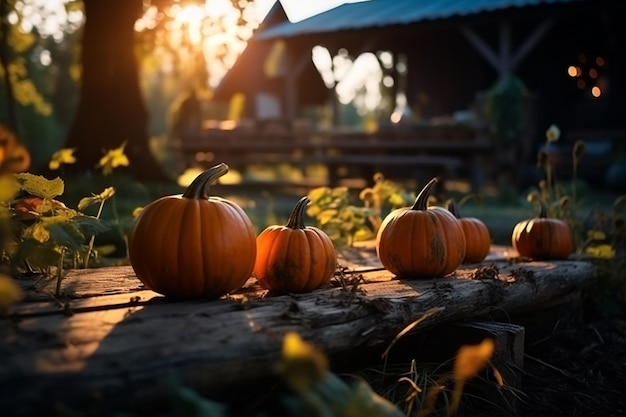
63, 156
470, 361
553, 133
301, 364
601, 251
596, 234
112, 159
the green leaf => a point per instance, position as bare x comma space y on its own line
86, 202
66, 235
318, 193
40, 233
5, 213
39, 256
326, 216
96, 198
39, 186
9, 187
90, 225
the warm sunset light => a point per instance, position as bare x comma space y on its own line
189, 19
211, 30
596, 91
573, 71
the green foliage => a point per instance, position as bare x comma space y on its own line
39, 231
598, 236
334, 214
39, 186
346, 223
506, 108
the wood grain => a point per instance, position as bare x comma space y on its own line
112, 341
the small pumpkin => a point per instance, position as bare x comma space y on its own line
294, 257
543, 237
31, 207
193, 245
421, 241
477, 236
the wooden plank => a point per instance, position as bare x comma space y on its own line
287, 145
391, 160
123, 354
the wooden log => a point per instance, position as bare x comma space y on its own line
114, 342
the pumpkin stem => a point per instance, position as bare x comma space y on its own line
421, 202
199, 188
467, 197
296, 218
543, 212
453, 208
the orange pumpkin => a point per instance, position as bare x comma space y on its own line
193, 245
294, 258
14, 157
421, 241
543, 237
32, 207
477, 236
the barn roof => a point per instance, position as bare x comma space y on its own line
381, 13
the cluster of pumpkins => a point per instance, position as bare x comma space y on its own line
208, 246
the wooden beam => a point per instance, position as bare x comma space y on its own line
101, 350
506, 60
291, 84
505, 46
531, 41
482, 47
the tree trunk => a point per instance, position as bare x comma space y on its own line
111, 109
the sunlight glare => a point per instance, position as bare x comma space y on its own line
341, 64
361, 83
191, 17
324, 64
386, 59
45, 58
49, 17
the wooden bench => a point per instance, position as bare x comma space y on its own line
108, 342
419, 154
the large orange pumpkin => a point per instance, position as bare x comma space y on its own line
421, 241
477, 236
543, 237
294, 258
193, 245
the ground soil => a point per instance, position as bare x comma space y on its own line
578, 369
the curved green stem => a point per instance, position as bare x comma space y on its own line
421, 202
296, 218
453, 208
543, 211
199, 188
467, 197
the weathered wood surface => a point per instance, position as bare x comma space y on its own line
111, 339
